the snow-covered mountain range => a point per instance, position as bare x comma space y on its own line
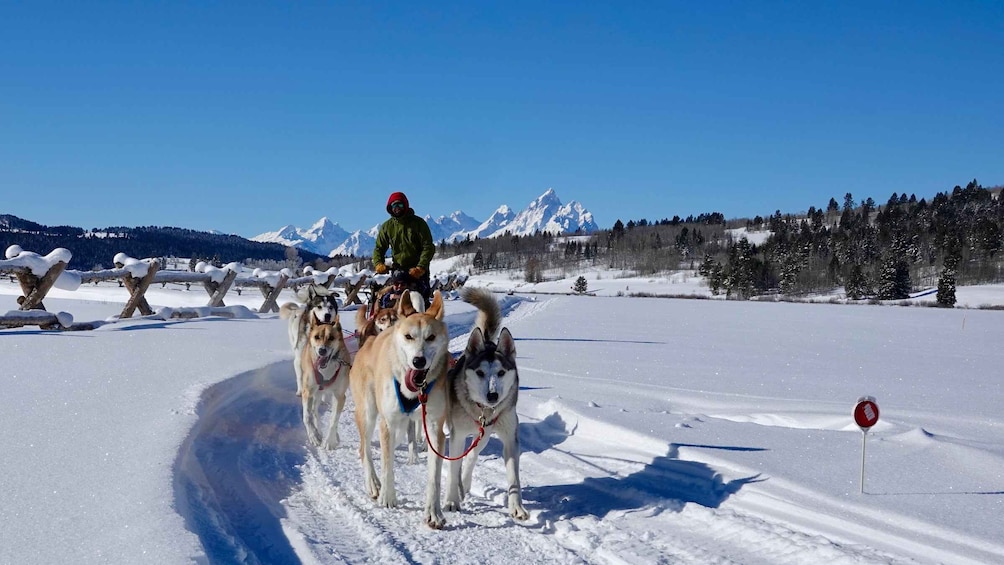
545, 214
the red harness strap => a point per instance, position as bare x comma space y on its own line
319, 378
422, 397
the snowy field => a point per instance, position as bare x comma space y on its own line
653, 431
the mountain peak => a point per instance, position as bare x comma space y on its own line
549, 198
545, 213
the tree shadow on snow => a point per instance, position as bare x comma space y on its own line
667, 483
239, 461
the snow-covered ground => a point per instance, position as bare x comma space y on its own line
653, 431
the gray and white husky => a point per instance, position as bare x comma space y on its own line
483, 388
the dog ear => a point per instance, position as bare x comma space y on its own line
506, 344
475, 343
436, 308
404, 305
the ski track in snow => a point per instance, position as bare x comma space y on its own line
246, 483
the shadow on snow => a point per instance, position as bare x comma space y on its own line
667, 482
239, 461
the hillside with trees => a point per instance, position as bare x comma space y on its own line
883, 251
95, 249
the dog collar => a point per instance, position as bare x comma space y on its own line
483, 420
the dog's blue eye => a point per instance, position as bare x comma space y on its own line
501, 372
480, 373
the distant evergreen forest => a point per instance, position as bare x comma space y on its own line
95, 249
875, 251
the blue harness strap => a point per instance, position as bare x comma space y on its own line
408, 405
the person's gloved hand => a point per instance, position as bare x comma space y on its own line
381, 268
416, 272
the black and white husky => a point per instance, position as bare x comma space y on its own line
319, 303
483, 388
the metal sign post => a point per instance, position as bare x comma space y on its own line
866, 414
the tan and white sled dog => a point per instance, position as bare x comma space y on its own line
320, 305
324, 363
484, 386
392, 375
369, 327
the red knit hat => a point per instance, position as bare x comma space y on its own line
397, 197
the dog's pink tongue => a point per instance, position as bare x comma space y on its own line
322, 362
409, 380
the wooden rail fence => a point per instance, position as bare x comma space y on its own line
37, 275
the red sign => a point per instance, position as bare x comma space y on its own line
866, 413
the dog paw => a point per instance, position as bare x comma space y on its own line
314, 438
332, 442
518, 512
435, 520
387, 499
451, 506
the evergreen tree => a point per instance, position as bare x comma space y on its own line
581, 286
857, 284
894, 280
946, 284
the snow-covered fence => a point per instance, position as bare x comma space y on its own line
38, 274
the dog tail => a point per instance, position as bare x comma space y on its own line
489, 311
288, 310
361, 317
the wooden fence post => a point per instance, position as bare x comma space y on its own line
271, 295
352, 291
218, 290
137, 288
35, 288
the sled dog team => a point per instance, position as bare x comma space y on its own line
401, 378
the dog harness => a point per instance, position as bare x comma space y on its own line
408, 405
319, 377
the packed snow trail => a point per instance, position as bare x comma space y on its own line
596, 492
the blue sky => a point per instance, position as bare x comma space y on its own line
246, 116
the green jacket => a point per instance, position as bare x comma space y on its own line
409, 239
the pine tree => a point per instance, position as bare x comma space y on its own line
857, 284
894, 280
581, 286
946, 284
